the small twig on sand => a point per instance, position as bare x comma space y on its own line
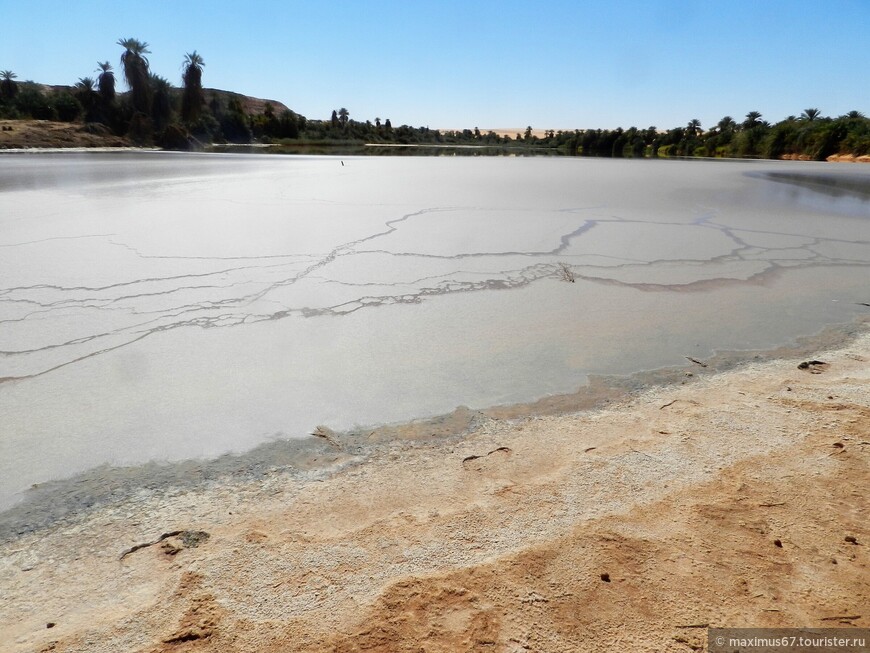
843, 618
566, 272
814, 367
771, 505
694, 626
696, 361
644, 454
189, 540
670, 403
127, 552
324, 433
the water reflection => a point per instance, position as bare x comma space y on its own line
841, 191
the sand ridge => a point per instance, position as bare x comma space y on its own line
738, 499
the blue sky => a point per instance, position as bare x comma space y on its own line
551, 64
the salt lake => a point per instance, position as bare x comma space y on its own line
161, 306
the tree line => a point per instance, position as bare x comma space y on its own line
808, 136
154, 111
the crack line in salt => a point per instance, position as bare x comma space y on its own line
190, 315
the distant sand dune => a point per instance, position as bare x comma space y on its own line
512, 132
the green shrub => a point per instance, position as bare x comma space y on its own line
67, 107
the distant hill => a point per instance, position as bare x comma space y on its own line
252, 105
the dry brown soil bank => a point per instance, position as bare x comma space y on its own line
17, 134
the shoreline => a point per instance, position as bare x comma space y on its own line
362, 147
35, 136
55, 503
497, 535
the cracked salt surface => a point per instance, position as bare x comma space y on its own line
162, 307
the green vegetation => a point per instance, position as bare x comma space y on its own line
156, 112
192, 99
811, 136
8, 86
106, 83
136, 74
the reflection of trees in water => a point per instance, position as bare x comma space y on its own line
857, 186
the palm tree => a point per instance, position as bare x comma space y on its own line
86, 85
693, 128
810, 114
343, 116
854, 115
161, 107
8, 87
136, 72
752, 119
727, 124
86, 94
106, 82
193, 99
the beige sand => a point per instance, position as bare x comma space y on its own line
507, 131
848, 158
740, 499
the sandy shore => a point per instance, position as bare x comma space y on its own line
737, 499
